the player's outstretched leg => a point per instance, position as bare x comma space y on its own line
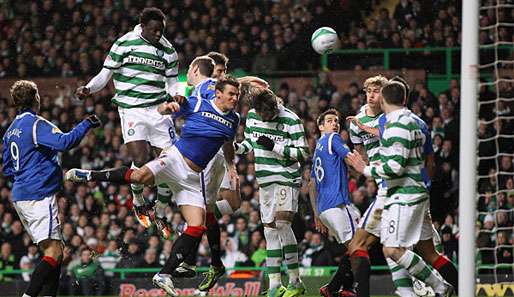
359, 259
401, 279
51, 286
342, 278
47, 269
419, 269
426, 248
139, 204
163, 200
217, 269
290, 251
182, 247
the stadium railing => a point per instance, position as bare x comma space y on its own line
310, 271
451, 57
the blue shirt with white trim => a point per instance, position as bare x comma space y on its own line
427, 146
206, 89
206, 129
31, 145
330, 172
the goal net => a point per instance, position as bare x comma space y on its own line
495, 176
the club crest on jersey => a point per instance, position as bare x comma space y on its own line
56, 130
160, 53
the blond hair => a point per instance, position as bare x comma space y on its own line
377, 80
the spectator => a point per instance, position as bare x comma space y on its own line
29, 261
7, 262
88, 275
150, 260
316, 254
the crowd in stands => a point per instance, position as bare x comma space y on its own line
70, 38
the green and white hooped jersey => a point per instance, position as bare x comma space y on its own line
283, 165
357, 136
141, 70
401, 159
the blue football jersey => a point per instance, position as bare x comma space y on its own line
330, 172
30, 157
206, 129
206, 89
427, 146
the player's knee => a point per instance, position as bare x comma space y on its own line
393, 252
357, 243
54, 249
427, 250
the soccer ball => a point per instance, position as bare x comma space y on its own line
324, 40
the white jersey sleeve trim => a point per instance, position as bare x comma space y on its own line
330, 143
198, 104
34, 132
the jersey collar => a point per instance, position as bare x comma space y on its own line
216, 108
25, 112
200, 83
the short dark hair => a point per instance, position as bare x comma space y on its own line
219, 58
205, 64
23, 94
151, 13
321, 118
394, 93
265, 102
227, 80
401, 80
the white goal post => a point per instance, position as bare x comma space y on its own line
468, 147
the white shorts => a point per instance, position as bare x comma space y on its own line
373, 215
215, 177
171, 168
146, 123
40, 218
404, 225
274, 198
341, 222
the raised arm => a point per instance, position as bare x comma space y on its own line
47, 134
394, 153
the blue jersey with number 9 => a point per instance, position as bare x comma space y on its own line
330, 172
31, 145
